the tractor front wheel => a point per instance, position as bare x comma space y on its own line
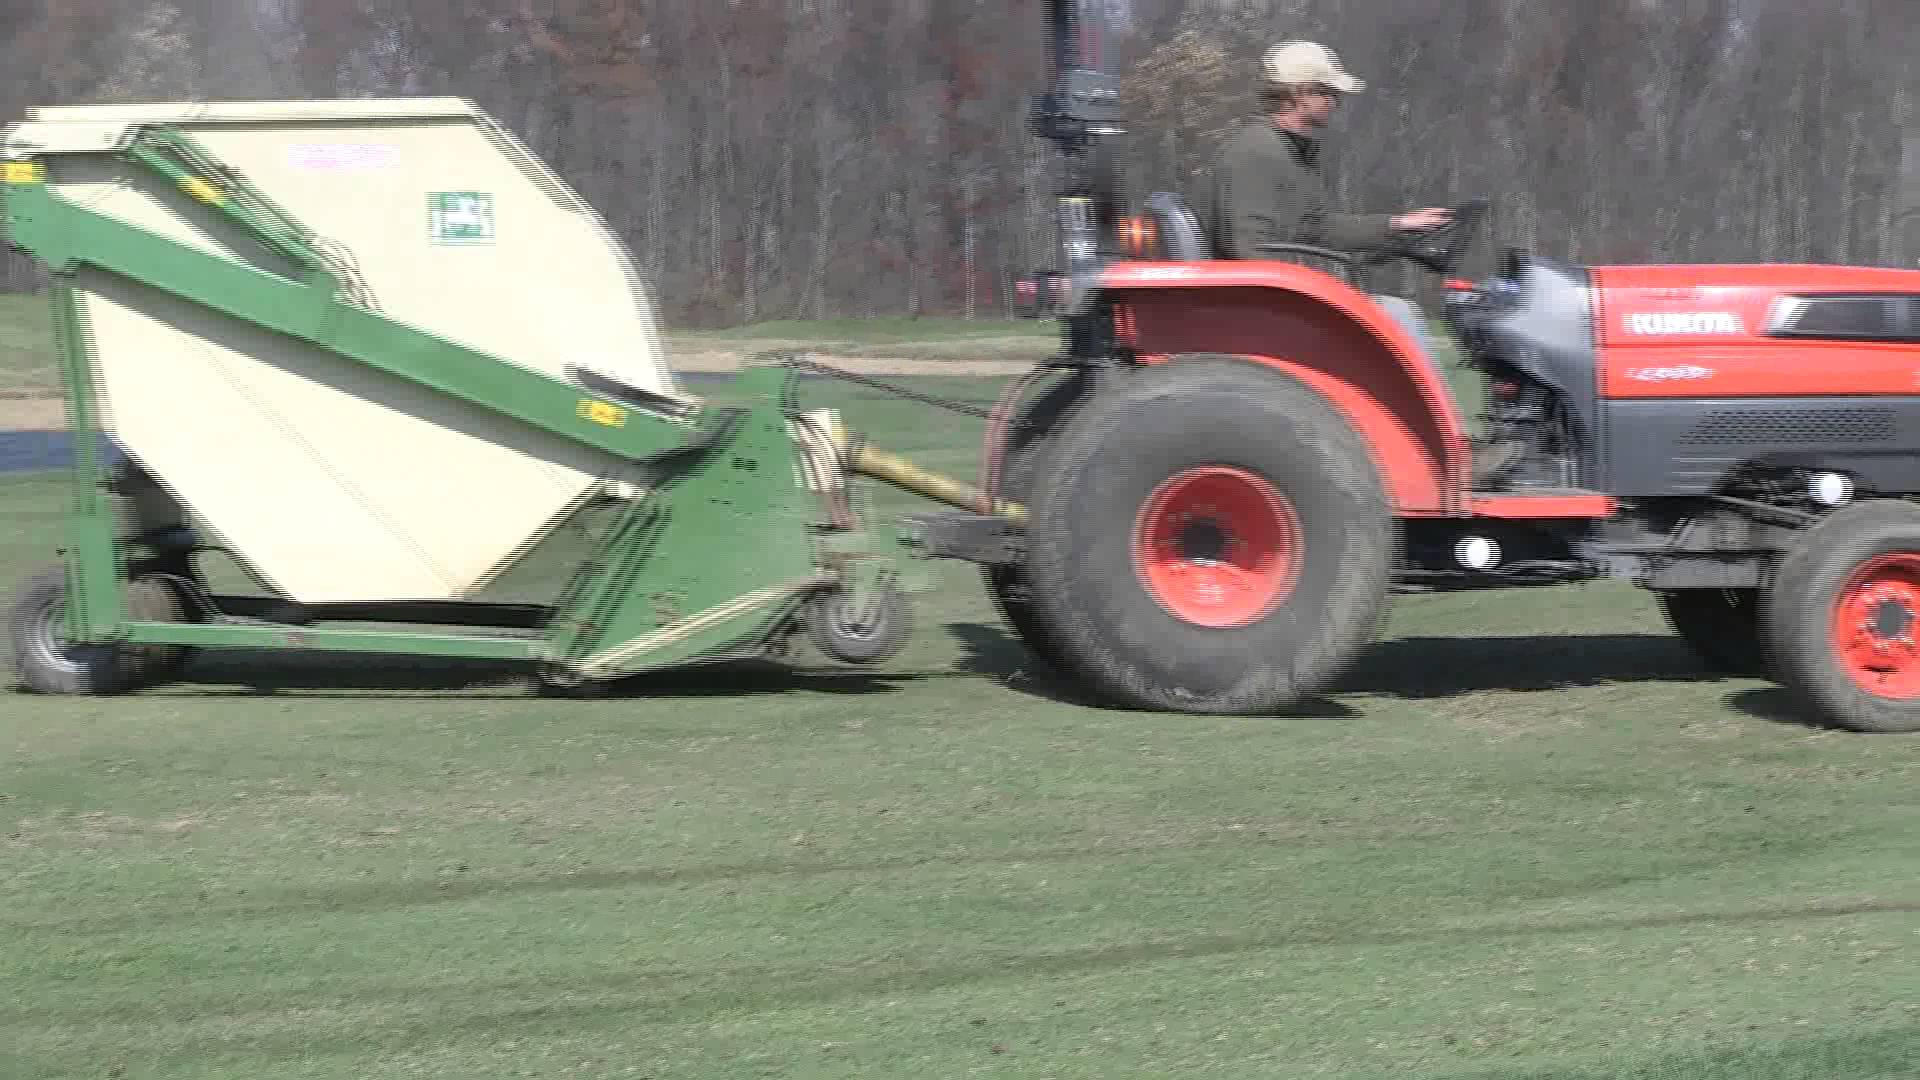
1842, 618
1210, 535
1721, 626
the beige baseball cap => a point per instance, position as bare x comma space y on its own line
1308, 62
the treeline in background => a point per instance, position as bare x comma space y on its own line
847, 158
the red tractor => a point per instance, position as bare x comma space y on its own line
1240, 461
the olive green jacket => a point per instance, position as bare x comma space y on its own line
1265, 193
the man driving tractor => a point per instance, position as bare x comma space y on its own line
1268, 191
1267, 186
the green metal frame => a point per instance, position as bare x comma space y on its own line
94, 562
710, 563
180, 159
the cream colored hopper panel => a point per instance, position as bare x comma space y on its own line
334, 482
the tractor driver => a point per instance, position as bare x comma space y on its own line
1267, 187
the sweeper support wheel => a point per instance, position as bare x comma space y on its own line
44, 663
1208, 535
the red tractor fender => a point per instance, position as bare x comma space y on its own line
1324, 332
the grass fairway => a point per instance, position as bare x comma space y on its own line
897, 330
27, 363
910, 339
1528, 840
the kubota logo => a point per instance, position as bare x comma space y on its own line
1684, 322
1681, 373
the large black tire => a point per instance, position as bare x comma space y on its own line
43, 661
1039, 424
1284, 463
1721, 626
1861, 565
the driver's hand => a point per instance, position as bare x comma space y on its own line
1422, 220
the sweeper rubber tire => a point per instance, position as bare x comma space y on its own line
46, 665
860, 630
1027, 443
153, 598
1841, 618
43, 663
1210, 535
1721, 626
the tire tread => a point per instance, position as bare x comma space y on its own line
1797, 613
1289, 429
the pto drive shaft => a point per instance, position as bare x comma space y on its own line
898, 471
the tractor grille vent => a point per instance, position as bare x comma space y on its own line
1824, 426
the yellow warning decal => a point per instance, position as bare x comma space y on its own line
602, 413
202, 190
23, 172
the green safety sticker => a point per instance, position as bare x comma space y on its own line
460, 218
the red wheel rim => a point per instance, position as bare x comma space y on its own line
1217, 546
1876, 624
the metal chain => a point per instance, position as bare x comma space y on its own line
798, 363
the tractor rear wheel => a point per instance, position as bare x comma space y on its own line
1210, 535
1721, 626
1842, 618
1034, 433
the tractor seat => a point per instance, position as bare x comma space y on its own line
1183, 240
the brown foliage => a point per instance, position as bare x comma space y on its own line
770, 158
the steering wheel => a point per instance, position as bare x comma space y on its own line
1440, 249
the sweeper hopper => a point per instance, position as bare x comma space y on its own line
376, 352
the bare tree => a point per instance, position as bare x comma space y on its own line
786, 158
